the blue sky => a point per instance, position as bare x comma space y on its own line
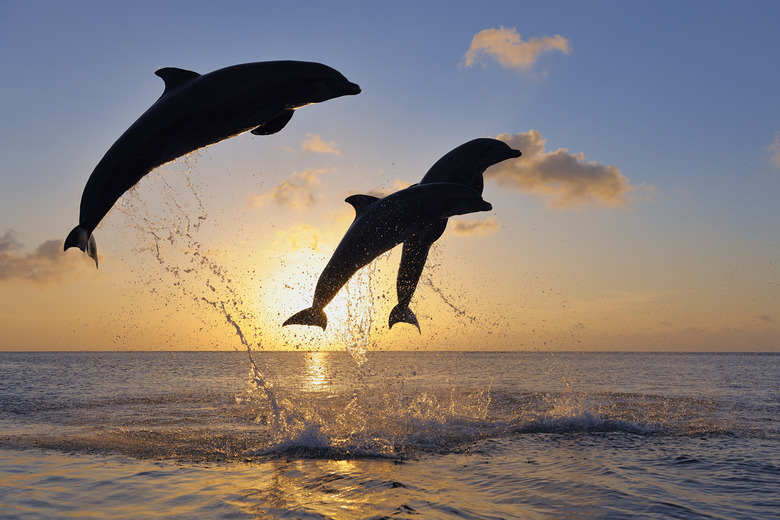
679, 98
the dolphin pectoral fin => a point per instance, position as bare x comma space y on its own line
174, 78
79, 237
405, 315
276, 124
361, 202
310, 316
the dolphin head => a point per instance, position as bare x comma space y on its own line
323, 89
466, 163
447, 199
465, 205
310, 82
485, 152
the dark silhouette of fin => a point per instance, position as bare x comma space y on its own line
174, 78
84, 241
310, 316
404, 315
361, 202
276, 124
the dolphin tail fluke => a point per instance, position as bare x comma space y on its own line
84, 240
403, 314
310, 316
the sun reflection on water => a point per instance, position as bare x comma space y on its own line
316, 374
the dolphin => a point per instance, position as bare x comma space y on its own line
198, 110
381, 224
463, 165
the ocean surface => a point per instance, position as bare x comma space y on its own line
418, 435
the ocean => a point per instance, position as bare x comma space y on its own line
417, 435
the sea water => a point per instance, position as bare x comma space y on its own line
361, 433
396, 435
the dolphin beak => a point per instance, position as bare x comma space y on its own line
516, 153
352, 89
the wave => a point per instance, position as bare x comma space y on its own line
379, 423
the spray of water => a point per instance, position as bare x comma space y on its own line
356, 329
172, 238
376, 416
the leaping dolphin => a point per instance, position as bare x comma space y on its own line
198, 110
381, 224
464, 165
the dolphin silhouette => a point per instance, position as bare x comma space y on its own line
198, 110
463, 165
381, 224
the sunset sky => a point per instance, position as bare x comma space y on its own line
644, 213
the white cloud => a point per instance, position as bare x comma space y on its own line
563, 179
506, 46
315, 144
297, 192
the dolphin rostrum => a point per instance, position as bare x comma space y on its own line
198, 110
463, 165
381, 224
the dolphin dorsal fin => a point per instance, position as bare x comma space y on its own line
361, 202
174, 77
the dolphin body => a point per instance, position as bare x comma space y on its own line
381, 224
198, 110
463, 165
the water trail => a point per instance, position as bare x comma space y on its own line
428, 282
356, 331
257, 375
376, 415
426, 279
188, 263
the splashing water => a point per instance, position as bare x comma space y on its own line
176, 230
376, 415
426, 280
356, 329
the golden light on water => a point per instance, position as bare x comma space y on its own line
316, 374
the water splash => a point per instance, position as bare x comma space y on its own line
171, 236
376, 416
356, 329
427, 281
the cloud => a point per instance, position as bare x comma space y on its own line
474, 227
47, 264
297, 192
563, 179
774, 148
302, 236
8, 242
400, 184
506, 46
325, 235
315, 144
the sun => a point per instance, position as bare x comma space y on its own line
287, 286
